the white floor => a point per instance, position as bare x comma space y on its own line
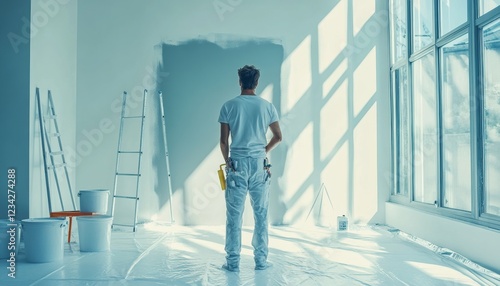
176, 255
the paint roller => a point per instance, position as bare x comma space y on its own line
222, 178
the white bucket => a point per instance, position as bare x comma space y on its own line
94, 232
43, 239
95, 201
10, 236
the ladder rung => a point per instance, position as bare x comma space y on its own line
130, 152
56, 166
51, 116
128, 174
56, 153
126, 197
129, 117
55, 134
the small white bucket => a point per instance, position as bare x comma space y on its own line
43, 239
342, 223
94, 232
10, 236
95, 201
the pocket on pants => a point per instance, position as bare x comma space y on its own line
230, 182
266, 177
233, 179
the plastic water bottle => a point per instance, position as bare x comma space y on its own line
342, 223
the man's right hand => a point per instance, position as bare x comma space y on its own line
229, 165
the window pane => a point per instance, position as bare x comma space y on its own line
491, 87
456, 125
425, 165
487, 5
398, 30
452, 13
422, 24
402, 131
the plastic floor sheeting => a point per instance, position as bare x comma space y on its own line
180, 255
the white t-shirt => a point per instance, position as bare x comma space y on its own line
249, 117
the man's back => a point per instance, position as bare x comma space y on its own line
248, 117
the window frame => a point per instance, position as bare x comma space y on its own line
473, 27
409, 23
458, 35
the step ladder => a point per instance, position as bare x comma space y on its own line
164, 129
55, 154
120, 152
322, 191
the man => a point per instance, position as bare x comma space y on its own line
247, 118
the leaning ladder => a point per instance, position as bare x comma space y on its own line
120, 152
166, 156
47, 149
42, 140
58, 152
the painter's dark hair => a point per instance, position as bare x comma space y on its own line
249, 76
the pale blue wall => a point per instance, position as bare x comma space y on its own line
197, 77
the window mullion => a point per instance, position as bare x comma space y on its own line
475, 109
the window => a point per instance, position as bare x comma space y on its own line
491, 124
422, 24
446, 120
425, 130
487, 5
399, 38
452, 13
402, 100
455, 131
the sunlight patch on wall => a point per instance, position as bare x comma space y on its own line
324, 213
299, 163
365, 182
335, 176
332, 35
362, 11
334, 120
267, 92
298, 168
163, 215
202, 192
365, 81
297, 71
334, 77
299, 207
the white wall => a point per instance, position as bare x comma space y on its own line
52, 67
479, 244
333, 102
